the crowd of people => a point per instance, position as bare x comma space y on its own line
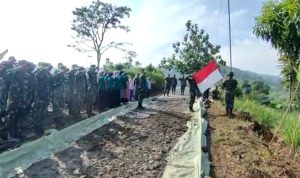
26, 88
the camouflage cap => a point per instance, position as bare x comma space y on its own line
22, 62
231, 74
92, 66
74, 66
12, 59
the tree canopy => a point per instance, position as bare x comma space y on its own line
194, 52
279, 24
91, 24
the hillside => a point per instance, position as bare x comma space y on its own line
273, 81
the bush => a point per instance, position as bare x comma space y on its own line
270, 117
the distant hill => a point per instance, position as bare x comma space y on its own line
273, 81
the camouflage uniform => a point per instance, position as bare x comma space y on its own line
80, 90
41, 98
182, 84
230, 85
142, 90
174, 84
2, 87
193, 91
91, 76
58, 81
168, 85
70, 87
15, 81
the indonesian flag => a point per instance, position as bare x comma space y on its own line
208, 76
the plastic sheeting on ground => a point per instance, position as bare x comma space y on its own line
32, 152
186, 159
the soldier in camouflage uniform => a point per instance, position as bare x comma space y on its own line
5, 67
15, 82
42, 89
142, 89
80, 89
230, 85
168, 85
91, 76
69, 88
58, 82
193, 91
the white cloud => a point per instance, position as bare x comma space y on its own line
40, 31
253, 55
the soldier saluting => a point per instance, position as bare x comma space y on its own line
230, 85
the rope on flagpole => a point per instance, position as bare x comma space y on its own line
229, 35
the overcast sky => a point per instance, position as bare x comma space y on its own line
39, 30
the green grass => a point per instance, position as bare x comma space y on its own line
290, 129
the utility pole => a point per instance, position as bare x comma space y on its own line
229, 26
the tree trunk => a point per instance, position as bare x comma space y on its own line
98, 60
290, 89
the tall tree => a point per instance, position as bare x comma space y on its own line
91, 24
194, 52
279, 24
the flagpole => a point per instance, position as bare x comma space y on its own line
229, 36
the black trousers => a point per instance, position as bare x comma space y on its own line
192, 99
182, 89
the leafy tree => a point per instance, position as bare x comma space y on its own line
289, 72
91, 24
150, 68
129, 56
119, 66
137, 63
246, 87
261, 87
194, 52
279, 23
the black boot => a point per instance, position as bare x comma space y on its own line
227, 112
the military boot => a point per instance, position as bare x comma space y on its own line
227, 112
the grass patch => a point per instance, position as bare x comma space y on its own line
290, 128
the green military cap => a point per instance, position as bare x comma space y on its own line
74, 66
231, 74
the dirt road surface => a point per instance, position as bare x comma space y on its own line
134, 145
239, 152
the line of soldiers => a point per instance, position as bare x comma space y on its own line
171, 84
26, 88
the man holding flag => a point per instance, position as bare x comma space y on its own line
210, 75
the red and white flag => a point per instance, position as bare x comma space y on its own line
208, 76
